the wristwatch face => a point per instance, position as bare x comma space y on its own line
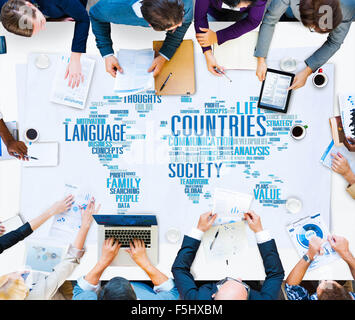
306, 258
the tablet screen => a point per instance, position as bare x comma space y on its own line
275, 94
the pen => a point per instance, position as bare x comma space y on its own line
221, 72
164, 84
27, 157
215, 237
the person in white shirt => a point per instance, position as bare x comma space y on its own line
228, 288
15, 148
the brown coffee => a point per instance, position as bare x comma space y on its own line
297, 131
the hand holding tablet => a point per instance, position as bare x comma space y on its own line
274, 93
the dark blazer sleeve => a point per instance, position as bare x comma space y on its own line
184, 280
274, 272
10, 239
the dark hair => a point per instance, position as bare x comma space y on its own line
234, 3
312, 14
13, 13
162, 14
334, 293
117, 289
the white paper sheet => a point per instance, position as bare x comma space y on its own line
230, 206
65, 95
135, 77
47, 154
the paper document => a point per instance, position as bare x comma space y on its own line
12, 126
42, 257
135, 77
231, 240
68, 96
347, 113
67, 224
303, 230
237, 53
230, 206
47, 154
326, 158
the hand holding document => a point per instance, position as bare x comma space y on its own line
135, 77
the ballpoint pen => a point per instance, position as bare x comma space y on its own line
27, 157
215, 237
164, 84
223, 73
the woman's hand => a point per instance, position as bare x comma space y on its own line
73, 72
212, 63
86, 215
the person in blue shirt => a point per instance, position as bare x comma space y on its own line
118, 288
228, 288
327, 289
172, 16
27, 18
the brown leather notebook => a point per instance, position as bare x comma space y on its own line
182, 69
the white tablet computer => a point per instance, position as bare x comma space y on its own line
274, 94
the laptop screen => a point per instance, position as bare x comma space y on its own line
125, 220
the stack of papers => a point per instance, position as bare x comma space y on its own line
135, 77
230, 206
347, 113
68, 96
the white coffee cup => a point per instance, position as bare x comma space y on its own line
293, 205
31, 135
298, 132
320, 79
173, 235
42, 61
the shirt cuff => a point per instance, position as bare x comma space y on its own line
86, 286
165, 286
108, 55
164, 56
75, 252
263, 236
196, 234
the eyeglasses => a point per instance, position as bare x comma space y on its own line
222, 282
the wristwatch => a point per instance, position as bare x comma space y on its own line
307, 258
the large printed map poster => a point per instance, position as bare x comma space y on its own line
166, 155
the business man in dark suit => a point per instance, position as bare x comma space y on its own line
228, 288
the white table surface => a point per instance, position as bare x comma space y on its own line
57, 38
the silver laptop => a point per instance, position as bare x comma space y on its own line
125, 228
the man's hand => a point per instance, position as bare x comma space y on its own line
300, 79
138, 253
207, 38
315, 247
254, 221
350, 144
261, 69
157, 65
206, 221
212, 63
2, 229
340, 245
63, 205
73, 72
112, 66
110, 250
86, 215
341, 165
19, 148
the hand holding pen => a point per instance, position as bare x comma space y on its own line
219, 71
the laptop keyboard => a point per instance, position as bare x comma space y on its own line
127, 236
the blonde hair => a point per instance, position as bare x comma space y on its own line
12, 289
